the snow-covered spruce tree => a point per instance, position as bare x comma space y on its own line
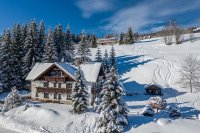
113, 111
79, 94
17, 49
59, 42
25, 49
129, 36
50, 52
83, 50
105, 62
41, 40
69, 44
121, 39
5, 59
96, 103
174, 112
93, 41
112, 58
31, 44
98, 57
24, 33
12, 100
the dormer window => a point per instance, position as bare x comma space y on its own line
54, 73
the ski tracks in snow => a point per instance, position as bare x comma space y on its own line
160, 68
169, 74
194, 103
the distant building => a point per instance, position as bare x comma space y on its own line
153, 89
105, 41
53, 82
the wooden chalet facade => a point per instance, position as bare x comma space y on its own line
53, 82
153, 89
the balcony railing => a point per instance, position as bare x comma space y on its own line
55, 78
54, 90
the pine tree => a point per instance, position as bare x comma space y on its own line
25, 49
59, 42
112, 58
129, 36
31, 44
98, 55
113, 111
83, 50
105, 62
41, 40
5, 59
121, 40
174, 112
24, 33
12, 100
69, 46
79, 94
50, 52
93, 41
17, 55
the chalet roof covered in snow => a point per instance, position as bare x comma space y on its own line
90, 70
38, 69
153, 84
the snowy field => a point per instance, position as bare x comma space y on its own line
138, 65
6, 131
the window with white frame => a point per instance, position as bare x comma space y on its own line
55, 96
68, 85
69, 96
59, 96
46, 95
46, 84
59, 85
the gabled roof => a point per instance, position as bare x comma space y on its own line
153, 84
37, 70
90, 70
40, 68
67, 68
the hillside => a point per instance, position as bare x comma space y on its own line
139, 64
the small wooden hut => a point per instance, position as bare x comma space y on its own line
153, 89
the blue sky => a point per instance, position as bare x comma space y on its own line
101, 16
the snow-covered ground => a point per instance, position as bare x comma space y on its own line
6, 131
139, 64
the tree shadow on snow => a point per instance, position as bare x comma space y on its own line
189, 112
126, 63
170, 92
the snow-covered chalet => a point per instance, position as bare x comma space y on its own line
53, 82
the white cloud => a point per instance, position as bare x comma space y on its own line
90, 7
150, 12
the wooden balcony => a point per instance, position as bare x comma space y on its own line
53, 90
54, 78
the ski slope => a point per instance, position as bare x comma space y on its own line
139, 64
